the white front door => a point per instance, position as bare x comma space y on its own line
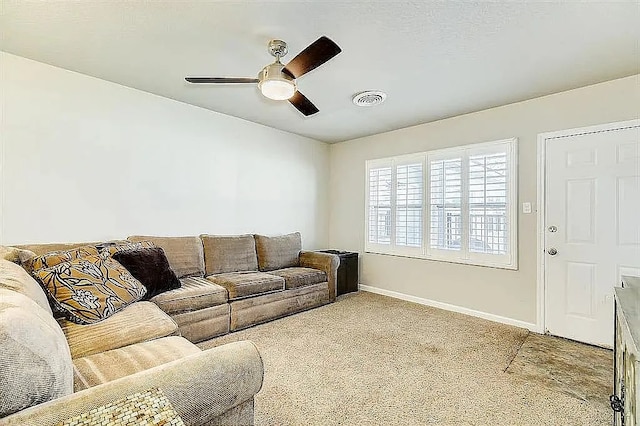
592, 235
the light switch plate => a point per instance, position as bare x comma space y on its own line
526, 208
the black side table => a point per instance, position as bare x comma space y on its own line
347, 271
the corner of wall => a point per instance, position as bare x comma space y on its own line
1, 177
329, 208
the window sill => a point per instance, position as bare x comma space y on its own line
446, 260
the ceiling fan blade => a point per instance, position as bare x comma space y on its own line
303, 104
316, 54
221, 80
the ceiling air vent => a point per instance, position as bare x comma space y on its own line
369, 98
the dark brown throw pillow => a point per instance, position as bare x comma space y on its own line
151, 268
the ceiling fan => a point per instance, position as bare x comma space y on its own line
277, 81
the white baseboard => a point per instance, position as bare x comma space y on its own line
448, 307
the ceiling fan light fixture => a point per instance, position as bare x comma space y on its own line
278, 90
274, 84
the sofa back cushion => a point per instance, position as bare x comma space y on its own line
278, 252
15, 254
224, 254
114, 248
185, 254
35, 361
43, 248
14, 277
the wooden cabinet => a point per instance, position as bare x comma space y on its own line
626, 399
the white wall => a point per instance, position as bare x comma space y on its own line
510, 294
85, 159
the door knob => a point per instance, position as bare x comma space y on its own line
552, 251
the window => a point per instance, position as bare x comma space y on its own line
457, 205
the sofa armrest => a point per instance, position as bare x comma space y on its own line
326, 262
200, 387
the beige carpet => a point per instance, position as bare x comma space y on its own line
373, 360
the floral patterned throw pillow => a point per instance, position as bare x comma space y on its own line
91, 288
54, 258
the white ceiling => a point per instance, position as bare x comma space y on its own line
434, 59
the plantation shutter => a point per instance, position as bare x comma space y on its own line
445, 188
380, 205
409, 189
488, 208
455, 204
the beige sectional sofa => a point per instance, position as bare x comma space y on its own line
233, 282
59, 369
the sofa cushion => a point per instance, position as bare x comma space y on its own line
44, 248
245, 284
114, 247
203, 324
229, 253
255, 310
185, 254
14, 277
136, 323
16, 255
54, 258
194, 293
96, 369
300, 277
278, 252
151, 268
35, 362
91, 288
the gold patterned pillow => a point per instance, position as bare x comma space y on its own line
120, 247
54, 258
91, 288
